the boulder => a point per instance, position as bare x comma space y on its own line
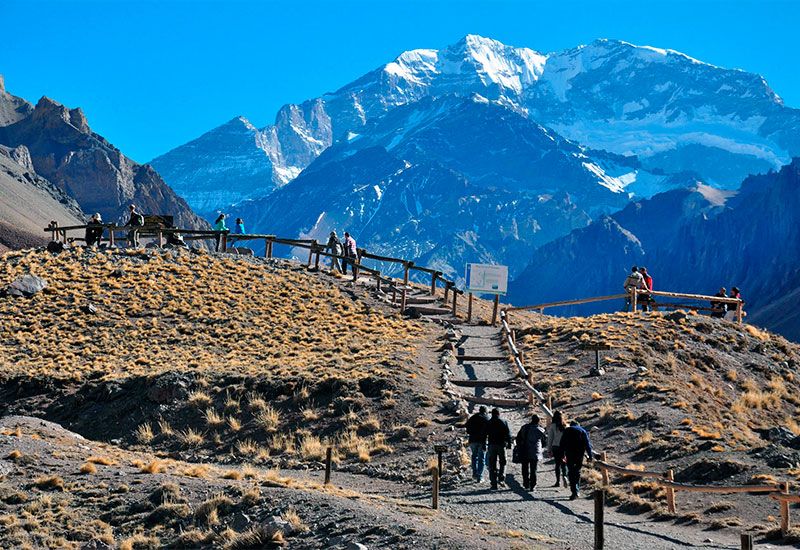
27, 286
356, 546
55, 247
277, 523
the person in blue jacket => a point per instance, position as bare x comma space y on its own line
575, 444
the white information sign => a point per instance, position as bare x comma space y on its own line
487, 279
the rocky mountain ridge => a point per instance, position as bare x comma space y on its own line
63, 149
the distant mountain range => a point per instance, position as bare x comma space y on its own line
672, 112
696, 240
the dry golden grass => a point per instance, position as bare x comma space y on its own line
153, 467
291, 320
213, 418
267, 418
144, 434
311, 448
191, 438
14, 455
104, 460
197, 470
49, 482
294, 519
88, 468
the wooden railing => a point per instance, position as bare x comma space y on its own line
636, 296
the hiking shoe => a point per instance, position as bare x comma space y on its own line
557, 483
573, 496
493, 488
565, 483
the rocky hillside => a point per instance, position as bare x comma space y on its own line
29, 202
690, 241
714, 401
64, 150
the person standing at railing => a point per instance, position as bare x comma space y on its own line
238, 229
648, 285
350, 253
634, 281
576, 445
554, 433
498, 435
94, 231
476, 428
219, 223
732, 309
719, 309
530, 444
135, 220
334, 247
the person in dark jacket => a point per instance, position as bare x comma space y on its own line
575, 444
498, 434
646, 299
135, 220
530, 442
94, 231
720, 308
334, 247
476, 429
554, 433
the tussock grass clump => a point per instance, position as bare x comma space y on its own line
199, 399
213, 418
104, 460
311, 448
88, 468
191, 438
144, 434
50, 483
153, 467
267, 418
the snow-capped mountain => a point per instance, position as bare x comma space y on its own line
673, 112
415, 183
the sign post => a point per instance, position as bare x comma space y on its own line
488, 279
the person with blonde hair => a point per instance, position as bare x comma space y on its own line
554, 432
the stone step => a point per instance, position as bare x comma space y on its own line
482, 383
429, 310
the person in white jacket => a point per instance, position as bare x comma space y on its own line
554, 432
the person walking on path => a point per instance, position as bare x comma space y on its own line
530, 441
575, 444
476, 429
94, 231
350, 253
634, 281
334, 247
554, 433
135, 220
219, 223
498, 435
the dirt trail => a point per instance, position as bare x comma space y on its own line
549, 514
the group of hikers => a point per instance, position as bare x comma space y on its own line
567, 444
640, 279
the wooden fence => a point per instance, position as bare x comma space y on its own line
639, 296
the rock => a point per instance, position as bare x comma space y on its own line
452, 406
277, 523
244, 251
27, 286
676, 316
356, 546
641, 369
89, 309
55, 247
597, 371
778, 435
706, 470
95, 544
118, 273
171, 387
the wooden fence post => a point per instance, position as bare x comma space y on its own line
785, 520
670, 492
455, 297
403, 301
494, 309
446, 291
747, 541
739, 314
316, 259
634, 300
549, 402
311, 252
599, 518
469, 308
378, 281
160, 239
225, 241
406, 267
111, 236
359, 252
603, 471
328, 460
433, 282
269, 249
435, 496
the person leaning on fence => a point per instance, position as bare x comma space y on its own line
334, 247
476, 428
135, 220
94, 230
719, 309
219, 223
350, 253
732, 310
530, 443
498, 435
646, 299
633, 281
554, 433
576, 445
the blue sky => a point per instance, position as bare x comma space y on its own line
152, 75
